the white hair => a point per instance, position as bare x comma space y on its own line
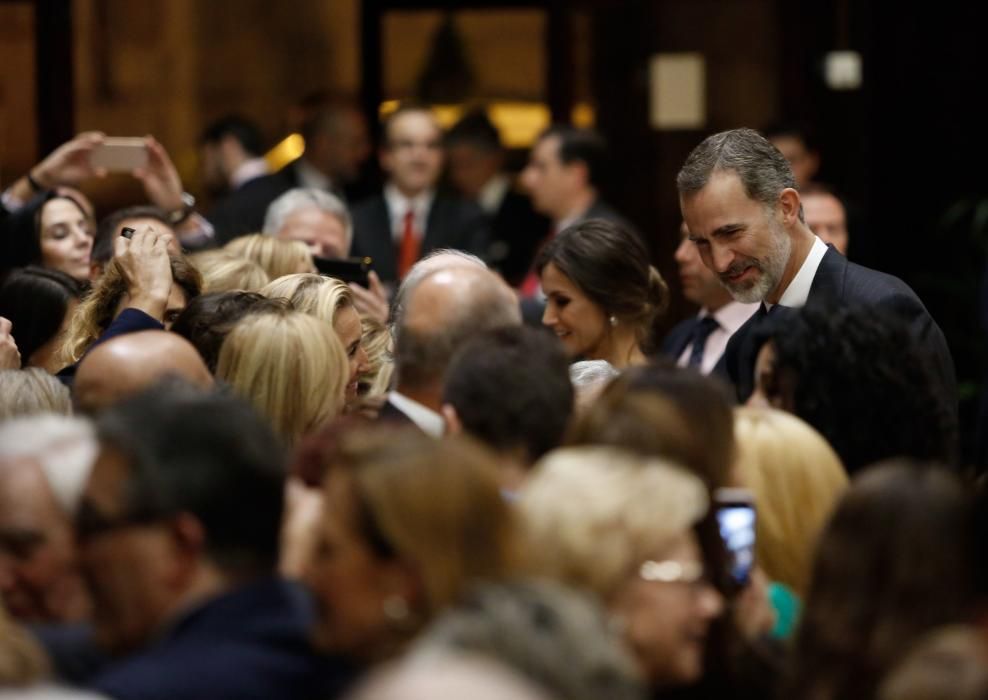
64, 447
438, 259
306, 198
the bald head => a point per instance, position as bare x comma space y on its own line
446, 308
440, 259
130, 363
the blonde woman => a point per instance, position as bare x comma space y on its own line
378, 345
290, 367
223, 271
797, 479
331, 301
621, 526
277, 257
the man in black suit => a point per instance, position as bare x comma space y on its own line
411, 217
336, 146
178, 533
700, 341
475, 165
740, 203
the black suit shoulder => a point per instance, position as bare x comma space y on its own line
242, 211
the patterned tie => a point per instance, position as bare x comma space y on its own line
701, 331
408, 252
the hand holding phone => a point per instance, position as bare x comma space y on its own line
346, 270
119, 154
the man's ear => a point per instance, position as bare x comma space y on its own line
453, 424
789, 205
580, 170
188, 543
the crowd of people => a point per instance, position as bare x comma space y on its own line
319, 441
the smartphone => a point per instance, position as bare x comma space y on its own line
127, 232
736, 519
346, 270
120, 154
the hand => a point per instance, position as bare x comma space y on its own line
147, 268
753, 612
371, 302
10, 356
69, 164
161, 182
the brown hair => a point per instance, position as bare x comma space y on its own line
97, 311
610, 265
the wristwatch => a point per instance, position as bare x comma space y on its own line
179, 215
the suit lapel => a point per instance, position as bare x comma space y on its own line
828, 283
437, 226
379, 245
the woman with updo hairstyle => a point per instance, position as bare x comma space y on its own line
602, 295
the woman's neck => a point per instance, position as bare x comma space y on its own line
623, 350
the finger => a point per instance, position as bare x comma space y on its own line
121, 245
375, 285
5, 326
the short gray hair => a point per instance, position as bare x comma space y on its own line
763, 170
64, 447
306, 198
425, 267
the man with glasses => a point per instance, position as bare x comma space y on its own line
178, 535
411, 216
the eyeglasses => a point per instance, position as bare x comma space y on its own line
672, 571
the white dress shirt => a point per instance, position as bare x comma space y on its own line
798, 290
729, 318
398, 206
248, 170
492, 193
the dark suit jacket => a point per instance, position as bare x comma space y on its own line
841, 282
242, 211
517, 231
453, 223
678, 338
249, 644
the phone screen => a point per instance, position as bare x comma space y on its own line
737, 528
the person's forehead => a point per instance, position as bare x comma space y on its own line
547, 149
827, 205
720, 202
60, 209
25, 496
108, 478
414, 123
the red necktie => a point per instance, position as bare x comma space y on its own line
408, 252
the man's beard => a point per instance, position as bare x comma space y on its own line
770, 269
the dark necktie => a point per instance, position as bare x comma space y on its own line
701, 331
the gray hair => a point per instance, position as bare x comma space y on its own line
306, 198
557, 637
64, 447
439, 259
30, 391
763, 170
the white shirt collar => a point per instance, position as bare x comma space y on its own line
248, 170
731, 315
492, 193
399, 204
430, 422
798, 290
309, 176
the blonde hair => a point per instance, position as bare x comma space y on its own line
223, 271
436, 504
593, 514
277, 257
377, 342
291, 367
99, 308
27, 392
797, 479
312, 294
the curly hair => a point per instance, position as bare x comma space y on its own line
98, 310
859, 377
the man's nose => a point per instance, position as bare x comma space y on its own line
722, 258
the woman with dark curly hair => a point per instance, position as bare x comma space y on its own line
858, 376
602, 295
